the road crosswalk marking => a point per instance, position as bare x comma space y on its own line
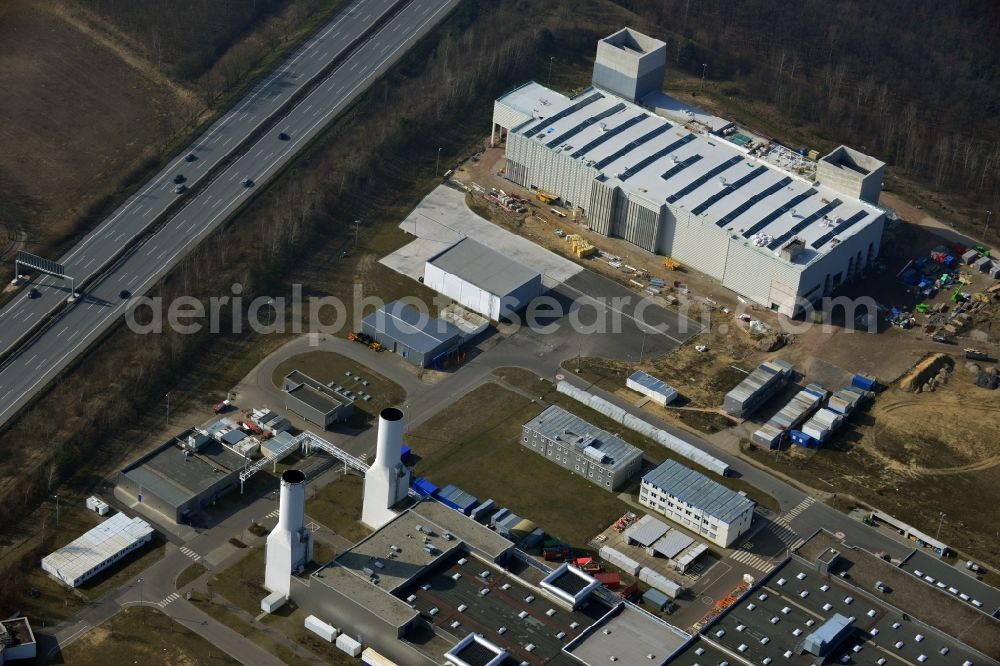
752, 560
273, 514
169, 600
799, 508
190, 553
784, 533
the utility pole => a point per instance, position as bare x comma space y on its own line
356, 224
704, 68
551, 59
437, 164
57, 509
139, 581
989, 214
168, 408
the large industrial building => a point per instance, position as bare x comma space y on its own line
187, 472
832, 603
97, 549
315, 401
419, 338
695, 501
582, 448
482, 279
771, 235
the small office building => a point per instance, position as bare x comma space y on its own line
696, 502
315, 401
97, 549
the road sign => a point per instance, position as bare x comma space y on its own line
40, 263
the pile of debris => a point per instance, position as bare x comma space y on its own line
928, 374
988, 378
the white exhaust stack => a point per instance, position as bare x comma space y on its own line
290, 544
387, 481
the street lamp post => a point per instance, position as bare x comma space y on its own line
168, 407
437, 164
57, 509
989, 214
551, 59
139, 581
704, 68
356, 225
941, 516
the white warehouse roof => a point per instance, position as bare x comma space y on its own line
484, 267
707, 176
96, 546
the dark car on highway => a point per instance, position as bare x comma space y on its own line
125, 294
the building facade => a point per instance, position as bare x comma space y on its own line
582, 448
691, 499
770, 234
416, 336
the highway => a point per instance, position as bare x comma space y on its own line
210, 149
33, 366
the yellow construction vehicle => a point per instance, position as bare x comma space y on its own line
546, 197
671, 264
375, 346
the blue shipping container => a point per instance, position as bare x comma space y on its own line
864, 382
424, 487
405, 451
800, 438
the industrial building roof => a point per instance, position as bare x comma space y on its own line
770, 624
98, 545
454, 601
373, 598
646, 531
698, 490
481, 539
557, 424
672, 543
484, 267
314, 393
960, 583
704, 175
630, 635
417, 330
175, 475
653, 384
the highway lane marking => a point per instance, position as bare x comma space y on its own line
193, 225
113, 310
41, 363
87, 265
226, 142
62, 331
162, 253
33, 357
215, 204
214, 130
148, 211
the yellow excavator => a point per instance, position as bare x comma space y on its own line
671, 264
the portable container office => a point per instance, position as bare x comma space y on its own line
983, 264
660, 582
655, 389
864, 382
817, 431
969, 257
482, 512
348, 645
656, 599
321, 628
767, 435
799, 438
757, 388
424, 487
619, 559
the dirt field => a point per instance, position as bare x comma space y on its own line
915, 455
76, 118
143, 636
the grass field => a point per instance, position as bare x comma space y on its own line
76, 118
337, 506
483, 456
190, 574
653, 450
142, 636
329, 367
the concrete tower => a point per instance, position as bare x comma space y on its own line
289, 545
387, 481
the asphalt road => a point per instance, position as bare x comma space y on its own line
211, 148
46, 355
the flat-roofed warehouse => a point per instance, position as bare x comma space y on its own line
482, 279
768, 234
582, 448
315, 401
421, 339
97, 549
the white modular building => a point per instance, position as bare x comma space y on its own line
770, 235
655, 389
696, 502
482, 279
97, 549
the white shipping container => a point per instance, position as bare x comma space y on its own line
97, 505
660, 582
348, 645
323, 630
816, 431
373, 658
620, 560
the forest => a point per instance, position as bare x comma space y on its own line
914, 82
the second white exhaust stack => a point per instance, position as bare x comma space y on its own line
289, 545
387, 481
